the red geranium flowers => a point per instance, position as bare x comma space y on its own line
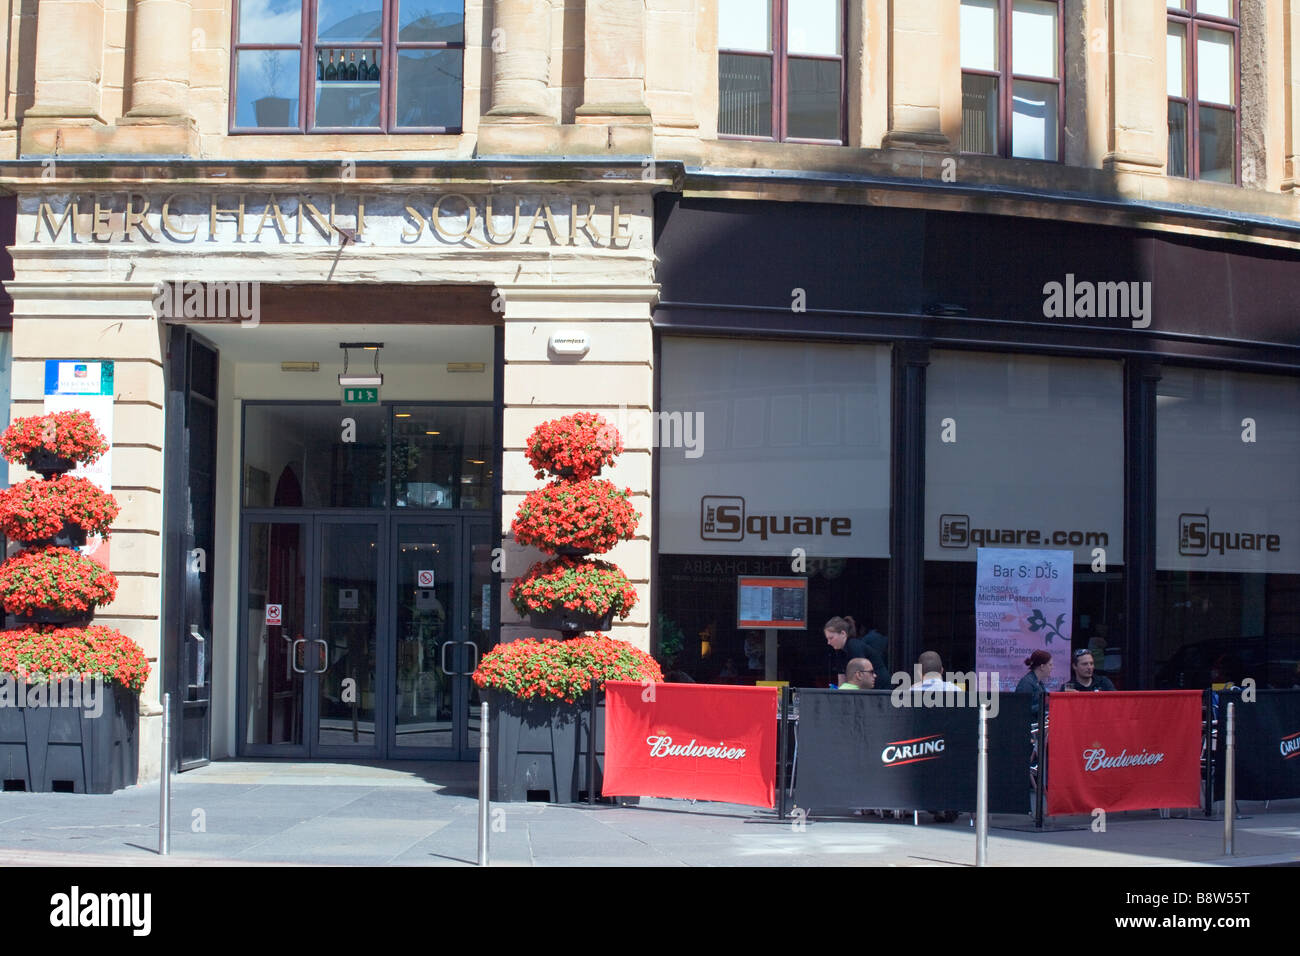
71, 435
54, 578
35, 509
563, 670
62, 581
41, 654
591, 516
576, 446
589, 587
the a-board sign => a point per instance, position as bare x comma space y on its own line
772, 602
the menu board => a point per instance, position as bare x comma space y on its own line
772, 602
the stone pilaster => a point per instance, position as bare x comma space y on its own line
614, 69
615, 379
69, 58
160, 77
924, 104
1138, 135
525, 110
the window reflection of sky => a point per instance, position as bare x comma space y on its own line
429, 88
266, 76
428, 21
270, 21
339, 21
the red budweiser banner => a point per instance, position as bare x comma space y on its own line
1127, 750
698, 741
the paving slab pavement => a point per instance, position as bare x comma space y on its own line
403, 814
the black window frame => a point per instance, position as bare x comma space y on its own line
390, 48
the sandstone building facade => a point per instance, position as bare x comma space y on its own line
826, 228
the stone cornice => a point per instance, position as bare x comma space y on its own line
506, 172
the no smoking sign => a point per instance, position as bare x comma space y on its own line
424, 579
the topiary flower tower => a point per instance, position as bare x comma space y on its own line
574, 515
540, 731
52, 588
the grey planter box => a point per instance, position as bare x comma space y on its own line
46, 749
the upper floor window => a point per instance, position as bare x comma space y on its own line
1204, 81
781, 70
348, 65
1012, 98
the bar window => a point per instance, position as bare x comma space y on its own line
1203, 80
1012, 95
378, 66
781, 70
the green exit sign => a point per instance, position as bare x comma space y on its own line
360, 396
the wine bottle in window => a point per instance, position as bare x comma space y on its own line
352, 66
374, 67
363, 71
320, 65
331, 71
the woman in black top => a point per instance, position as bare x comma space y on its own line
1035, 682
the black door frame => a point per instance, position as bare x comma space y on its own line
388, 522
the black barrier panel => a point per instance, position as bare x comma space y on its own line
1268, 745
856, 749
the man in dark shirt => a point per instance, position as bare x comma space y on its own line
846, 648
1083, 666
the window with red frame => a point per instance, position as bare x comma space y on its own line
781, 70
1012, 97
1202, 57
297, 66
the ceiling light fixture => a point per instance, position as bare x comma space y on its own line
300, 366
356, 379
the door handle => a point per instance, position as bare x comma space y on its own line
474, 666
442, 657
324, 657
293, 654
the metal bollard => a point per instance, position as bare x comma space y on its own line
165, 781
1230, 782
982, 792
484, 784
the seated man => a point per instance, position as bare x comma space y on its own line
859, 674
1083, 666
931, 666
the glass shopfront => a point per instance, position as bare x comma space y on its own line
788, 476
1228, 529
1016, 444
367, 591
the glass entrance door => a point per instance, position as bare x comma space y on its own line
343, 656
361, 633
312, 607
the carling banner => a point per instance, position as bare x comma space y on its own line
1127, 750
1268, 745
1024, 601
697, 741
